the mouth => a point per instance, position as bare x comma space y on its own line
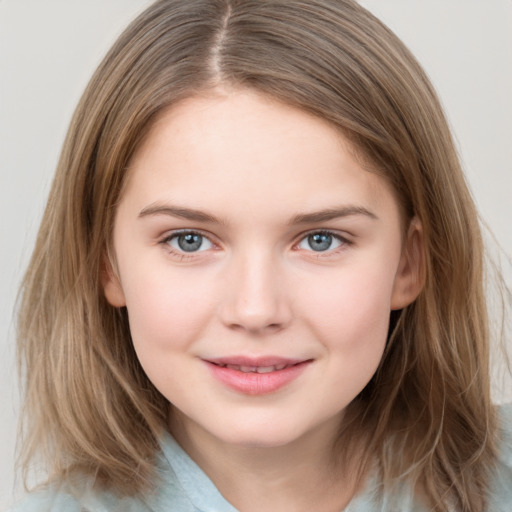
256, 369
259, 376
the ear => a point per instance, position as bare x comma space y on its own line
111, 284
410, 276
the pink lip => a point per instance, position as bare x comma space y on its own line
254, 383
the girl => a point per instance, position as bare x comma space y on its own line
258, 282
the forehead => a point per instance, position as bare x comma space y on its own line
240, 148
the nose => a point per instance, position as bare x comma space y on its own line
255, 299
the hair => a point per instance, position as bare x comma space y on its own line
427, 413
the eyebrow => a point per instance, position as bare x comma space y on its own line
182, 213
301, 218
332, 213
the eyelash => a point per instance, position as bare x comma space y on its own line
183, 255
344, 243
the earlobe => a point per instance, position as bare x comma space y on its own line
410, 276
111, 284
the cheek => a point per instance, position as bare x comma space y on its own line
166, 315
351, 314
351, 321
166, 310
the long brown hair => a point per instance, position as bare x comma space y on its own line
90, 407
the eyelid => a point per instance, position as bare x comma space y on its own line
344, 241
185, 231
165, 240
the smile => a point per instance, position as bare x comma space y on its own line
255, 369
256, 377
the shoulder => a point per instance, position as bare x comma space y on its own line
501, 482
402, 499
77, 498
45, 501
81, 495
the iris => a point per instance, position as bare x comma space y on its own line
320, 241
189, 242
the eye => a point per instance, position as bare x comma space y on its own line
189, 242
321, 241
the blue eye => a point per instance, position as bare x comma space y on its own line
320, 242
189, 242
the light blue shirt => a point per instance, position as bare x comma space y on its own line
186, 488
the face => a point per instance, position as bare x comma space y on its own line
259, 264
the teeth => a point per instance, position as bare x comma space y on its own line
248, 369
266, 369
254, 369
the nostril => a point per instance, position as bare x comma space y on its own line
256, 328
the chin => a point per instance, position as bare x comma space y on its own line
270, 435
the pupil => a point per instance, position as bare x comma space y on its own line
190, 242
320, 241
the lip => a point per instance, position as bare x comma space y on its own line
258, 377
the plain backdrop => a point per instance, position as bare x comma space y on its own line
49, 49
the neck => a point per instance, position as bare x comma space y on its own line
299, 476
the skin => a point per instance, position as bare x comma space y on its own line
256, 287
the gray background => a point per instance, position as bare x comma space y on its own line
48, 50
